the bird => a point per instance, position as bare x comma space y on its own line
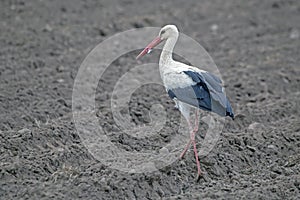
189, 87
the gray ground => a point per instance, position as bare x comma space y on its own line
256, 47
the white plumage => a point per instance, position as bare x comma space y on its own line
188, 86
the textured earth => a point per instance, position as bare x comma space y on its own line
255, 45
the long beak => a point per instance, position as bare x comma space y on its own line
149, 47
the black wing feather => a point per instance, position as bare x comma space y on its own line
207, 93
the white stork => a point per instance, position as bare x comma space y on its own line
188, 86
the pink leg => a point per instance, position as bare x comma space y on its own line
196, 156
194, 143
196, 126
192, 140
196, 121
189, 143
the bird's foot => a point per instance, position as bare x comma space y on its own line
203, 177
181, 155
199, 176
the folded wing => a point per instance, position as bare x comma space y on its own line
207, 93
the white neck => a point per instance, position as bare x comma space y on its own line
166, 54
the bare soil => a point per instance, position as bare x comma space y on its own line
256, 46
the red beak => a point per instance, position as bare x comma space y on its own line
149, 47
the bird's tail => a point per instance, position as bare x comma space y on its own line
229, 111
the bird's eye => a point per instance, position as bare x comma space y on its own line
162, 32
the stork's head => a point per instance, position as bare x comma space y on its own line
166, 32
